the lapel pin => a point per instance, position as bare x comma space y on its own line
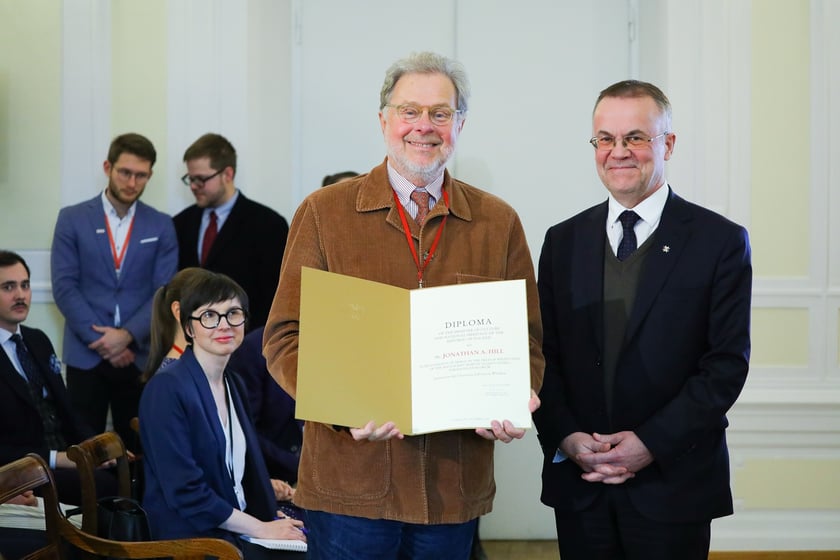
665, 249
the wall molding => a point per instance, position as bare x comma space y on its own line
776, 530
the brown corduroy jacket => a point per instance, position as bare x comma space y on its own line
354, 228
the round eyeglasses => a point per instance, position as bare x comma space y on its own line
198, 180
439, 114
210, 319
606, 142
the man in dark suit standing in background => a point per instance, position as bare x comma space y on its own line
35, 413
226, 232
645, 302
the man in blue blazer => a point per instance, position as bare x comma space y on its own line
109, 255
248, 238
645, 302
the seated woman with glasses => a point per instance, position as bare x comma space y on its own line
205, 474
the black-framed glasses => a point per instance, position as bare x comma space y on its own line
210, 319
198, 179
606, 142
127, 174
438, 114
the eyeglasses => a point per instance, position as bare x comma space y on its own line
439, 114
127, 174
198, 179
631, 142
210, 319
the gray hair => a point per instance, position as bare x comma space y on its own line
629, 89
427, 63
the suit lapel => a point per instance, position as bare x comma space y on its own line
669, 241
99, 228
41, 355
229, 229
588, 272
139, 231
206, 397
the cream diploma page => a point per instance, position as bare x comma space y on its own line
469, 356
431, 359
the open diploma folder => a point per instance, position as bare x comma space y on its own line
431, 359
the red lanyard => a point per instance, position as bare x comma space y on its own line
421, 268
118, 258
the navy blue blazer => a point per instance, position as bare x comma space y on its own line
21, 428
249, 249
683, 363
85, 285
188, 491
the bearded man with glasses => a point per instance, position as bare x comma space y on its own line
370, 491
645, 302
226, 232
109, 256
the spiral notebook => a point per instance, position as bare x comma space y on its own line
277, 544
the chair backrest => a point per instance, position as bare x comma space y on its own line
88, 456
32, 472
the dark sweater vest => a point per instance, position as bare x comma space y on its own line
621, 280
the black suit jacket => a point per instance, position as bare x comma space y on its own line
682, 365
249, 249
21, 428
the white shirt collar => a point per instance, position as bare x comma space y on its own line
649, 210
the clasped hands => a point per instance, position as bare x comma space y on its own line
113, 345
503, 431
607, 458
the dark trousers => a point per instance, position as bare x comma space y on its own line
612, 529
17, 543
92, 391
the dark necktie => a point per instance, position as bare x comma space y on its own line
628, 219
30, 368
209, 237
421, 198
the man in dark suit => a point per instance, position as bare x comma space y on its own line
226, 232
109, 256
35, 413
645, 302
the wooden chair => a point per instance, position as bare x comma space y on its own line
88, 455
32, 472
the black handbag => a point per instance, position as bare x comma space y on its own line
121, 519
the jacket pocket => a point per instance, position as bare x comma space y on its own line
476, 466
356, 469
